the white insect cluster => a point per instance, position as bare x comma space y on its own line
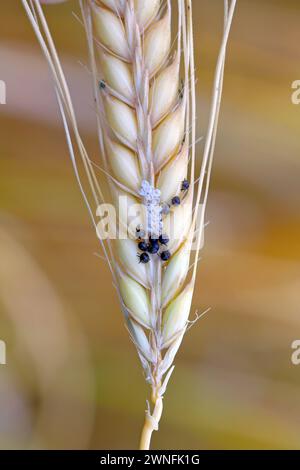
151, 198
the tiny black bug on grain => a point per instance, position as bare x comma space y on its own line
153, 247
144, 258
164, 239
185, 185
165, 255
176, 201
102, 84
143, 246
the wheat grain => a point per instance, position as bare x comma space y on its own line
146, 116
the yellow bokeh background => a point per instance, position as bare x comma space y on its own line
72, 378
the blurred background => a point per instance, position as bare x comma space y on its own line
72, 378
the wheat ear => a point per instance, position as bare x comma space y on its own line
144, 87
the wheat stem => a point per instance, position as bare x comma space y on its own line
151, 424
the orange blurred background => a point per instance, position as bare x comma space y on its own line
73, 379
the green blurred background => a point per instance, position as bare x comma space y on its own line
72, 378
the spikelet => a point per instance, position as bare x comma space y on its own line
145, 98
176, 316
170, 179
120, 157
164, 92
127, 253
136, 299
176, 273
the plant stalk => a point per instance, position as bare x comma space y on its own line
151, 423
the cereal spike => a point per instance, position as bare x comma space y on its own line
146, 121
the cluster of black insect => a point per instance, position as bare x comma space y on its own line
152, 246
157, 246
